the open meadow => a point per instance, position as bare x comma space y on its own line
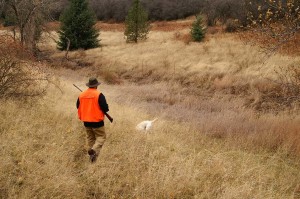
220, 132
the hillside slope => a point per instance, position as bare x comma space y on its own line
207, 143
43, 155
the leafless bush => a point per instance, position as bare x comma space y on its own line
274, 24
289, 80
172, 9
221, 10
280, 94
157, 9
18, 79
19, 75
231, 25
28, 17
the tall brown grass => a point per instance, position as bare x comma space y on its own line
211, 150
206, 143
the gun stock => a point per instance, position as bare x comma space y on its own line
108, 117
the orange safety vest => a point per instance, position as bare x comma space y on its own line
89, 109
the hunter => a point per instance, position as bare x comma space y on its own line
92, 107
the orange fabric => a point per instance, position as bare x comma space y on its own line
89, 109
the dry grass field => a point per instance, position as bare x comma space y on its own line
211, 140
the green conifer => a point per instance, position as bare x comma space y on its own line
198, 29
136, 23
77, 27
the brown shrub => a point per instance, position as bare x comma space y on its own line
231, 25
280, 94
11, 48
289, 46
20, 75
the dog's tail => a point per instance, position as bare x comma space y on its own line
154, 120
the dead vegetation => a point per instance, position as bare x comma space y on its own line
269, 44
218, 65
20, 74
286, 89
196, 146
228, 125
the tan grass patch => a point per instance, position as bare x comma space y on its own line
196, 67
184, 37
206, 144
188, 158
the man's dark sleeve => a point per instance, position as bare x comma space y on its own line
77, 103
102, 103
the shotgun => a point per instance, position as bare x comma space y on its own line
107, 115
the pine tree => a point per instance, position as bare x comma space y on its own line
77, 27
198, 30
136, 23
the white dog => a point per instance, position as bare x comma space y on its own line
145, 125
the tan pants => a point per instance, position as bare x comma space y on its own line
95, 138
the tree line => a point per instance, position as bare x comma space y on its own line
158, 9
116, 10
28, 16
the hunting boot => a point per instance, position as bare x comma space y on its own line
93, 155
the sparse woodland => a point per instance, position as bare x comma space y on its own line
227, 107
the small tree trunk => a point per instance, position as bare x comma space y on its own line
14, 32
67, 50
22, 38
136, 34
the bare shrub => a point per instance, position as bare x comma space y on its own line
19, 75
28, 18
274, 24
158, 10
289, 81
231, 25
280, 94
221, 10
291, 77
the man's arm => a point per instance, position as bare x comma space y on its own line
77, 103
102, 103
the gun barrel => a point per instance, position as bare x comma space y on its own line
77, 87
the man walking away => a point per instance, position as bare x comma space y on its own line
92, 107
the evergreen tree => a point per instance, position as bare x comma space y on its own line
198, 30
136, 23
77, 27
